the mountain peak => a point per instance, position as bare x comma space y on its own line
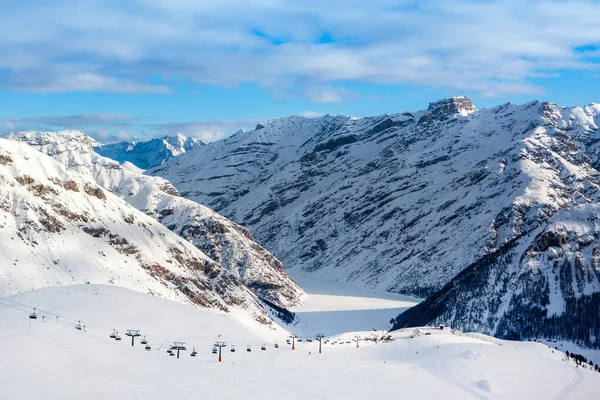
447, 107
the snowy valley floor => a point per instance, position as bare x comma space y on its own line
51, 360
332, 308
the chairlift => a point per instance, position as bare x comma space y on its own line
299, 340
78, 326
276, 345
170, 351
113, 335
172, 354
194, 352
263, 347
148, 348
214, 350
232, 348
249, 348
33, 315
117, 337
309, 340
144, 340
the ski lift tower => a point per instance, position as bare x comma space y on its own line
178, 346
320, 337
220, 345
357, 339
294, 337
133, 333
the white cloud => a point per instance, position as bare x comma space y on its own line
324, 94
311, 114
495, 46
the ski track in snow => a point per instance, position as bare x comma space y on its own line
563, 392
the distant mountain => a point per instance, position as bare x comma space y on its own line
148, 154
58, 227
410, 202
223, 241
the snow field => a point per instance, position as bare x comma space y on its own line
50, 360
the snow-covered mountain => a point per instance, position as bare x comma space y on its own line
223, 241
406, 202
150, 153
59, 228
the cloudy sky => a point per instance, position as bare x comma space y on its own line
137, 68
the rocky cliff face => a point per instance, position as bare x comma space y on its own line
224, 241
58, 228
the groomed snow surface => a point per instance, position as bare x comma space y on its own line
49, 359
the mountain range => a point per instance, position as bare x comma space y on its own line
148, 154
489, 213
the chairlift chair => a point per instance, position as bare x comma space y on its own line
214, 350
249, 348
78, 326
172, 354
144, 340
33, 315
113, 335
263, 347
232, 348
193, 353
170, 351
148, 348
276, 345
117, 337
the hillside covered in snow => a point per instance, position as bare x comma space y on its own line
49, 359
58, 227
408, 202
225, 242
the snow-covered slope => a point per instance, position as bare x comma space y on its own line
398, 202
51, 360
224, 241
60, 228
150, 153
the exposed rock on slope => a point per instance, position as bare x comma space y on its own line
225, 242
59, 228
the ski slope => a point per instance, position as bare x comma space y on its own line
50, 360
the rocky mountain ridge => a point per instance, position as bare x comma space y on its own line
59, 228
225, 242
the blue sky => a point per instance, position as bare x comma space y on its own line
122, 69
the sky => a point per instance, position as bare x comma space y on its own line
134, 69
